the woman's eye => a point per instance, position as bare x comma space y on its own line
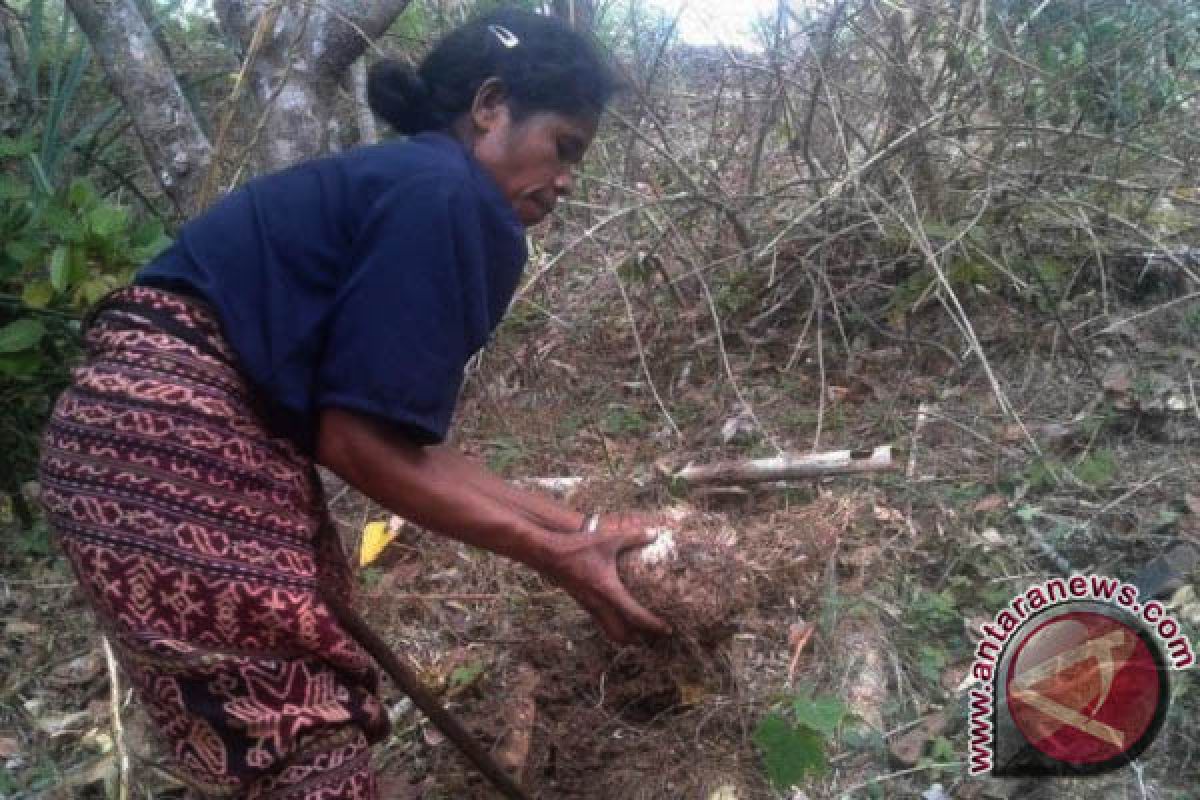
568, 151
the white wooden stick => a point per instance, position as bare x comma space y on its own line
788, 467
118, 728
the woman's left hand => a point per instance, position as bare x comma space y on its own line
585, 566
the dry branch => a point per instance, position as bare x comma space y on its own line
789, 467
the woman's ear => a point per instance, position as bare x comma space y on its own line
490, 105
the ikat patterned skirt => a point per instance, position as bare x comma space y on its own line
203, 544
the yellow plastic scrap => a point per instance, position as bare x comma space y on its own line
376, 536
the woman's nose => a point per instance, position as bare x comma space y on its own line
564, 182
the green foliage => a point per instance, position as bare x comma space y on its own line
62, 245
35, 542
370, 577
505, 451
790, 752
59, 254
1042, 475
1189, 325
1112, 65
623, 420
793, 741
1098, 469
1048, 278
963, 274
464, 676
935, 611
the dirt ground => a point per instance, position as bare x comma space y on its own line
889, 574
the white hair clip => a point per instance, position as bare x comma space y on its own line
506, 37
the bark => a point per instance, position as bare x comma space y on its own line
13, 59
141, 77
788, 467
368, 133
298, 57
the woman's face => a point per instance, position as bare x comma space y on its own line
532, 160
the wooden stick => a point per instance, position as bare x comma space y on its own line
923, 412
118, 729
789, 467
422, 698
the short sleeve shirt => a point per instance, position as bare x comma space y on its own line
363, 281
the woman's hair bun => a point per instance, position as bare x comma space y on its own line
400, 97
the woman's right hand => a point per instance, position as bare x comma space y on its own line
585, 566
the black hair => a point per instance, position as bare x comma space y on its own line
542, 63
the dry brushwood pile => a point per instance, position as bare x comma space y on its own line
967, 230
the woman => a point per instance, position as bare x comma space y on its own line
322, 314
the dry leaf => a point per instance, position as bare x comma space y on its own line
78, 670
992, 538
97, 771
884, 514
1118, 379
908, 748
993, 502
18, 627
952, 678
60, 724
861, 557
692, 694
1193, 503
9, 747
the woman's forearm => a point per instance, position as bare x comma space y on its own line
538, 508
433, 488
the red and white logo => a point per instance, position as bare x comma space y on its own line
1084, 688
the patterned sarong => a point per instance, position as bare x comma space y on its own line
201, 540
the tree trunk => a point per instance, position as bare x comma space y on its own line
10, 65
296, 57
368, 133
140, 76
297, 61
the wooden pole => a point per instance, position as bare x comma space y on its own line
788, 467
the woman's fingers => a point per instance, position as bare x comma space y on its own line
637, 614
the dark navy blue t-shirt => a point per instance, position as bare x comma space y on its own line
364, 281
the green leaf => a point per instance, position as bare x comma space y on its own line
146, 232
790, 754
465, 675
63, 223
60, 273
822, 714
11, 147
38, 294
12, 189
24, 334
19, 365
81, 195
943, 750
23, 251
140, 255
95, 288
107, 221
